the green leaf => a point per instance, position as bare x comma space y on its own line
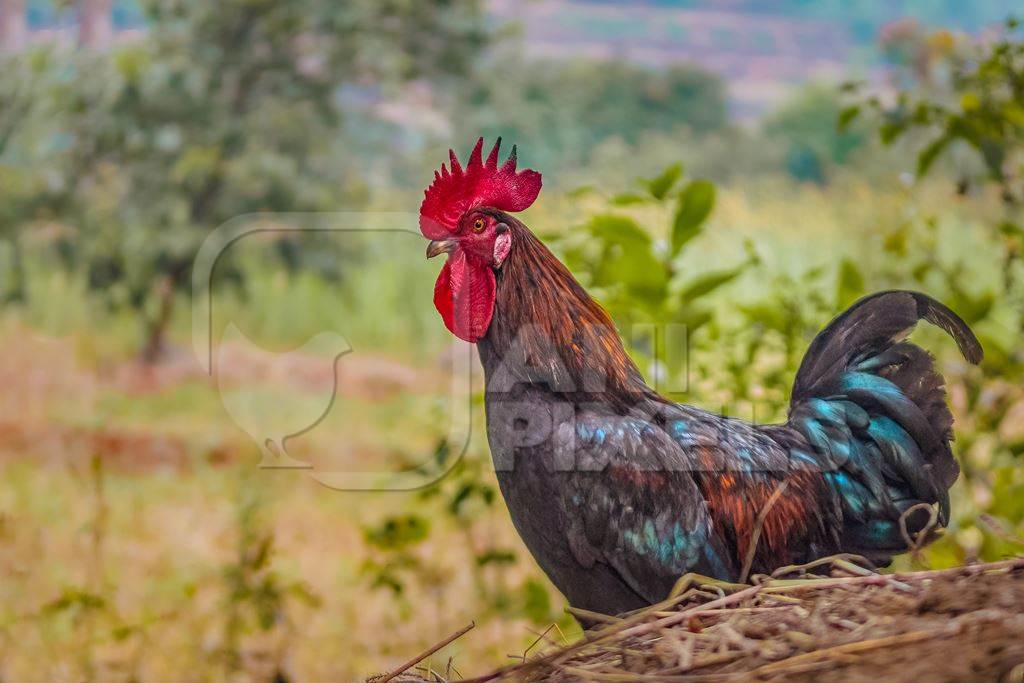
628, 198
1011, 229
660, 185
505, 557
769, 315
850, 284
613, 229
398, 532
928, 155
582, 191
891, 130
896, 241
638, 270
709, 282
536, 601
692, 318
695, 204
846, 117
441, 452
1014, 113
305, 594
973, 309
72, 597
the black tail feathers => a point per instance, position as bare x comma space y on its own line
862, 355
870, 327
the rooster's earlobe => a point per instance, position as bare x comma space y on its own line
502, 245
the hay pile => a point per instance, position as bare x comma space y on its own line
832, 620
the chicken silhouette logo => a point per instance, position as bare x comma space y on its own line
276, 395
249, 379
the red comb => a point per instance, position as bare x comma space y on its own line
479, 184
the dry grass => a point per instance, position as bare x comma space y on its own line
153, 532
828, 621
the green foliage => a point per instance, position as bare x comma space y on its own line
455, 505
984, 110
397, 533
257, 597
849, 285
635, 275
394, 559
807, 126
29, 189
566, 110
695, 203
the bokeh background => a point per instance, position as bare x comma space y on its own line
742, 168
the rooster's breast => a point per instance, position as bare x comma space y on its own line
536, 481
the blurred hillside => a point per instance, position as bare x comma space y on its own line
761, 49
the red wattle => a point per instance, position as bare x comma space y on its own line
464, 296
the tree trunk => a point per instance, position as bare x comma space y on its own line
156, 336
15, 293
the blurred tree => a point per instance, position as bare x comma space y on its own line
28, 188
807, 127
566, 109
984, 111
228, 108
916, 56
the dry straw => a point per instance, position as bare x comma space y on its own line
833, 619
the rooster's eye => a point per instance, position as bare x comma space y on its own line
478, 225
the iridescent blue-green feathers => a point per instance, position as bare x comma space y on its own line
872, 408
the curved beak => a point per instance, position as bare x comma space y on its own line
440, 247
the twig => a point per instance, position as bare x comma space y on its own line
756, 537
832, 559
588, 615
673, 619
540, 637
854, 648
786, 585
897, 580
420, 657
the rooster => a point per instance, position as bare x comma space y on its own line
618, 491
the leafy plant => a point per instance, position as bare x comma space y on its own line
457, 504
257, 598
984, 110
637, 275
